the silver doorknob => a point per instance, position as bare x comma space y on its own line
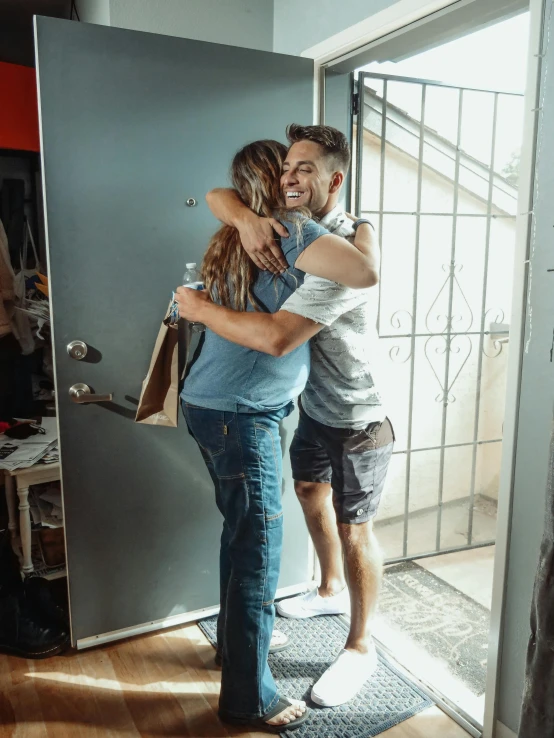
81, 393
77, 350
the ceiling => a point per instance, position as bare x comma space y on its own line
16, 26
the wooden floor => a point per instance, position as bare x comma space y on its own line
164, 684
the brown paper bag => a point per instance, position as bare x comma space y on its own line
159, 399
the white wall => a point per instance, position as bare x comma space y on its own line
298, 26
536, 402
94, 11
246, 23
272, 25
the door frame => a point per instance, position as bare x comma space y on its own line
345, 46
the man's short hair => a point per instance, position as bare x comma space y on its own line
332, 140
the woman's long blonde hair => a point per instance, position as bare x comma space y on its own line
228, 272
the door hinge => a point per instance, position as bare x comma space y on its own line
356, 103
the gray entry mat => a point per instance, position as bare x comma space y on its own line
387, 699
449, 625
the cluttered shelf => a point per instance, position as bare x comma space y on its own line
36, 443
26, 366
31, 473
29, 464
41, 555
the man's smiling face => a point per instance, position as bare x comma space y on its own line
306, 179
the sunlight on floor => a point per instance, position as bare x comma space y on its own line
469, 572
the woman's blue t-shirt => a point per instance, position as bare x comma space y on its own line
229, 377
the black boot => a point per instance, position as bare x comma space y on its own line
41, 598
31, 625
23, 633
10, 578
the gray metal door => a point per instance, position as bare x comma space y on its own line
133, 125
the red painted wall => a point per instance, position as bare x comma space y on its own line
19, 109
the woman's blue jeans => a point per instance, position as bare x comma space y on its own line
243, 454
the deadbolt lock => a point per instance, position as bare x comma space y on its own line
77, 350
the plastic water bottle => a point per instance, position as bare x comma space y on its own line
190, 279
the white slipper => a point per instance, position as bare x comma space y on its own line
344, 678
311, 604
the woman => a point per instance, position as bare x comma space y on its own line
234, 399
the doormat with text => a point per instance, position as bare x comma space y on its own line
450, 626
387, 699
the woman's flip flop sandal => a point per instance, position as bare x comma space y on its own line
262, 724
282, 642
279, 642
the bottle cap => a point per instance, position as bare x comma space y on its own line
192, 265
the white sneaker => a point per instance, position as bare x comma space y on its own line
344, 678
311, 604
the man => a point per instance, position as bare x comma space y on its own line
343, 444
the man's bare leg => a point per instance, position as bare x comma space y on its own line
358, 660
331, 597
317, 504
364, 570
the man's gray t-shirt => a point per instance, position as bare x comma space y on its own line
342, 390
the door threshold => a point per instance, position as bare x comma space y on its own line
171, 621
457, 714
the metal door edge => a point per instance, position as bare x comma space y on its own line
169, 622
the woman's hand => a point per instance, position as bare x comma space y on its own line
191, 303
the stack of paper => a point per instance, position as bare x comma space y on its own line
19, 454
46, 506
52, 456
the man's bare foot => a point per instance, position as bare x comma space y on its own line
295, 710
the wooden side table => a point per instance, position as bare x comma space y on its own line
19, 481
